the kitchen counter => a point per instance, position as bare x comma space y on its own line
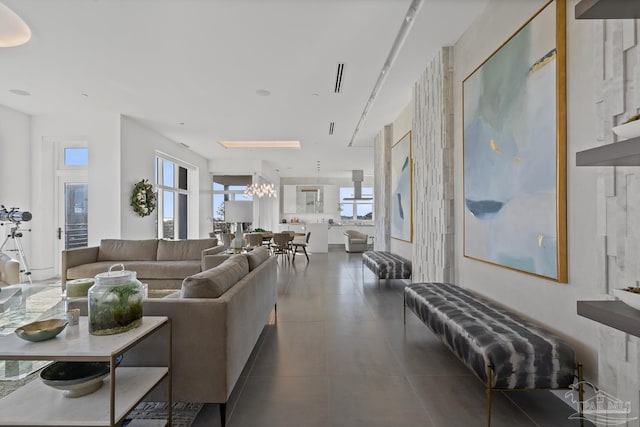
318, 242
324, 234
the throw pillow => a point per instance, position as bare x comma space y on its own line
256, 257
216, 281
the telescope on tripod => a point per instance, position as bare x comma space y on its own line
16, 217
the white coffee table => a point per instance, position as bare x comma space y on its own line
109, 405
21, 304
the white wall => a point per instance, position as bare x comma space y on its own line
15, 170
138, 150
116, 146
400, 126
550, 303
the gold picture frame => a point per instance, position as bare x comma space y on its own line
514, 196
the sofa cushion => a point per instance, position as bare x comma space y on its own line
256, 257
88, 270
178, 250
216, 281
163, 269
127, 250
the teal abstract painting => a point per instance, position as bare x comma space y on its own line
401, 201
511, 154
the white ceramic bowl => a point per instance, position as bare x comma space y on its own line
628, 130
75, 378
629, 298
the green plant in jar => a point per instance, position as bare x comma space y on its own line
115, 303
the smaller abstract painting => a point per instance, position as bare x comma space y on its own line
401, 182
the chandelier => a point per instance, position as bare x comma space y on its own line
261, 190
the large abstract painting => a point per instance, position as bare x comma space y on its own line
401, 201
515, 151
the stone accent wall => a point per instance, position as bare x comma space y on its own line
382, 189
617, 97
433, 189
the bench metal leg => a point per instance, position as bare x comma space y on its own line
223, 414
489, 376
580, 393
404, 311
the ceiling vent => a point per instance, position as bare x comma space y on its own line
338, 86
357, 176
331, 127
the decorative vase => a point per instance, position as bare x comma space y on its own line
628, 130
238, 243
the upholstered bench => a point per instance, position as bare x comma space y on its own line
386, 265
504, 350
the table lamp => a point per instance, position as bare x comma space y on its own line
238, 211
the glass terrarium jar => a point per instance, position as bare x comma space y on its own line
115, 302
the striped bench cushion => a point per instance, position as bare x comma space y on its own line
523, 355
386, 265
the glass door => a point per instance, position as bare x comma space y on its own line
72, 214
75, 230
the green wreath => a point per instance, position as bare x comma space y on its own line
143, 199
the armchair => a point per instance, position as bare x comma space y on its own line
9, 271
355, 241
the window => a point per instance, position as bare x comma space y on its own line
76, 156
173, 194
356, 209
227, 187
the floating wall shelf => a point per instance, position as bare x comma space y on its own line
624, 153
615, 314
608, 9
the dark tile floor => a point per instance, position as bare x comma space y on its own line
339, 355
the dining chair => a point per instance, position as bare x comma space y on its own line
300, 242
254, 239
280, 244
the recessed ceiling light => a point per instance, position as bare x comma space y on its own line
260, 144
13, 30
19, 92
263, 92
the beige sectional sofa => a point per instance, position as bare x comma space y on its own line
162, 264
217, 317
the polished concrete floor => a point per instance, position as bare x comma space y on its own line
339, 355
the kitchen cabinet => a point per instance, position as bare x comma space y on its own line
331, 199
289, 199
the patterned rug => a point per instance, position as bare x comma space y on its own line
183, 413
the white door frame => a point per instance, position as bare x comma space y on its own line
64, 174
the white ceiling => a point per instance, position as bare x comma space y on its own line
200, 62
